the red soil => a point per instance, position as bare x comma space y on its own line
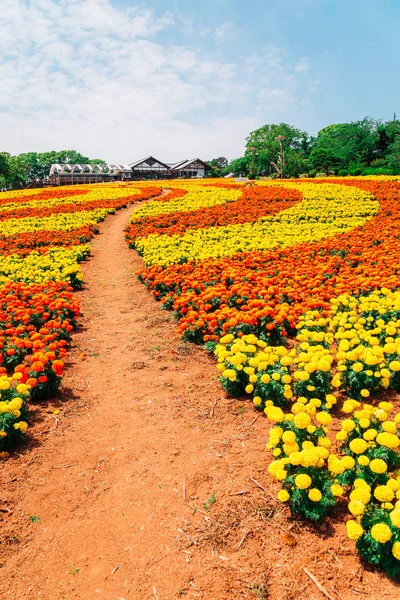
150, 483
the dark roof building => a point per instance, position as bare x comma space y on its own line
145, 168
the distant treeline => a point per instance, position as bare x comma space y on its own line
19, 171
366, 147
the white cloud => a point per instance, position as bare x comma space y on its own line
224, 32
85, 74
302, 66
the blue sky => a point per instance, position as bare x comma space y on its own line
118, 79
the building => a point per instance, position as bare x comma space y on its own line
189, 168
150, 168
146, 168
97, 173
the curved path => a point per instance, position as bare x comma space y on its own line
151, 484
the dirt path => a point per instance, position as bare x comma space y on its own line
148, 483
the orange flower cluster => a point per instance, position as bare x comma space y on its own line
172, 194
36, 323
265, 292
50, 194
24, 243
255, 202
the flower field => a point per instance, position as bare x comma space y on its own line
43, 238
294, 286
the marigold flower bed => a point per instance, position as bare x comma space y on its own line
41, 237
294, 285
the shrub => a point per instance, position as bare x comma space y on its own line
377, 171
342, 173
312, 173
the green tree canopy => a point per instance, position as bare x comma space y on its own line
263, 149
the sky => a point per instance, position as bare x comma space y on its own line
120, 80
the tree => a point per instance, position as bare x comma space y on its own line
393, 155
217, 166
238, 166
35, 166
323, 157
4, 166
354, 143
263, 148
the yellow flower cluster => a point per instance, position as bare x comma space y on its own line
95, 193
12, 410
198, 196
57, 264
326, 210
57, 222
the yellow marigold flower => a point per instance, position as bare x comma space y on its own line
381, 414
324, 442
377, 465
395, 517
276, 414
295, 458
330, 398
290, 448
389, 427
386, 406
361, 483
348, 462
324, 418
277, 452
357, 367
363, 460
348, 425
286, 361
336, 489
364, 393
358, 445
394, 484
283, 496
324, 366
362, 494
289, 437
364, 423
396, 550
370, 434
281, 474
354, 530
315, 495
257, 400
383, 493
356, 507
350, 405
302, 420
388, 440
381, 533
288, 394
303, 481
